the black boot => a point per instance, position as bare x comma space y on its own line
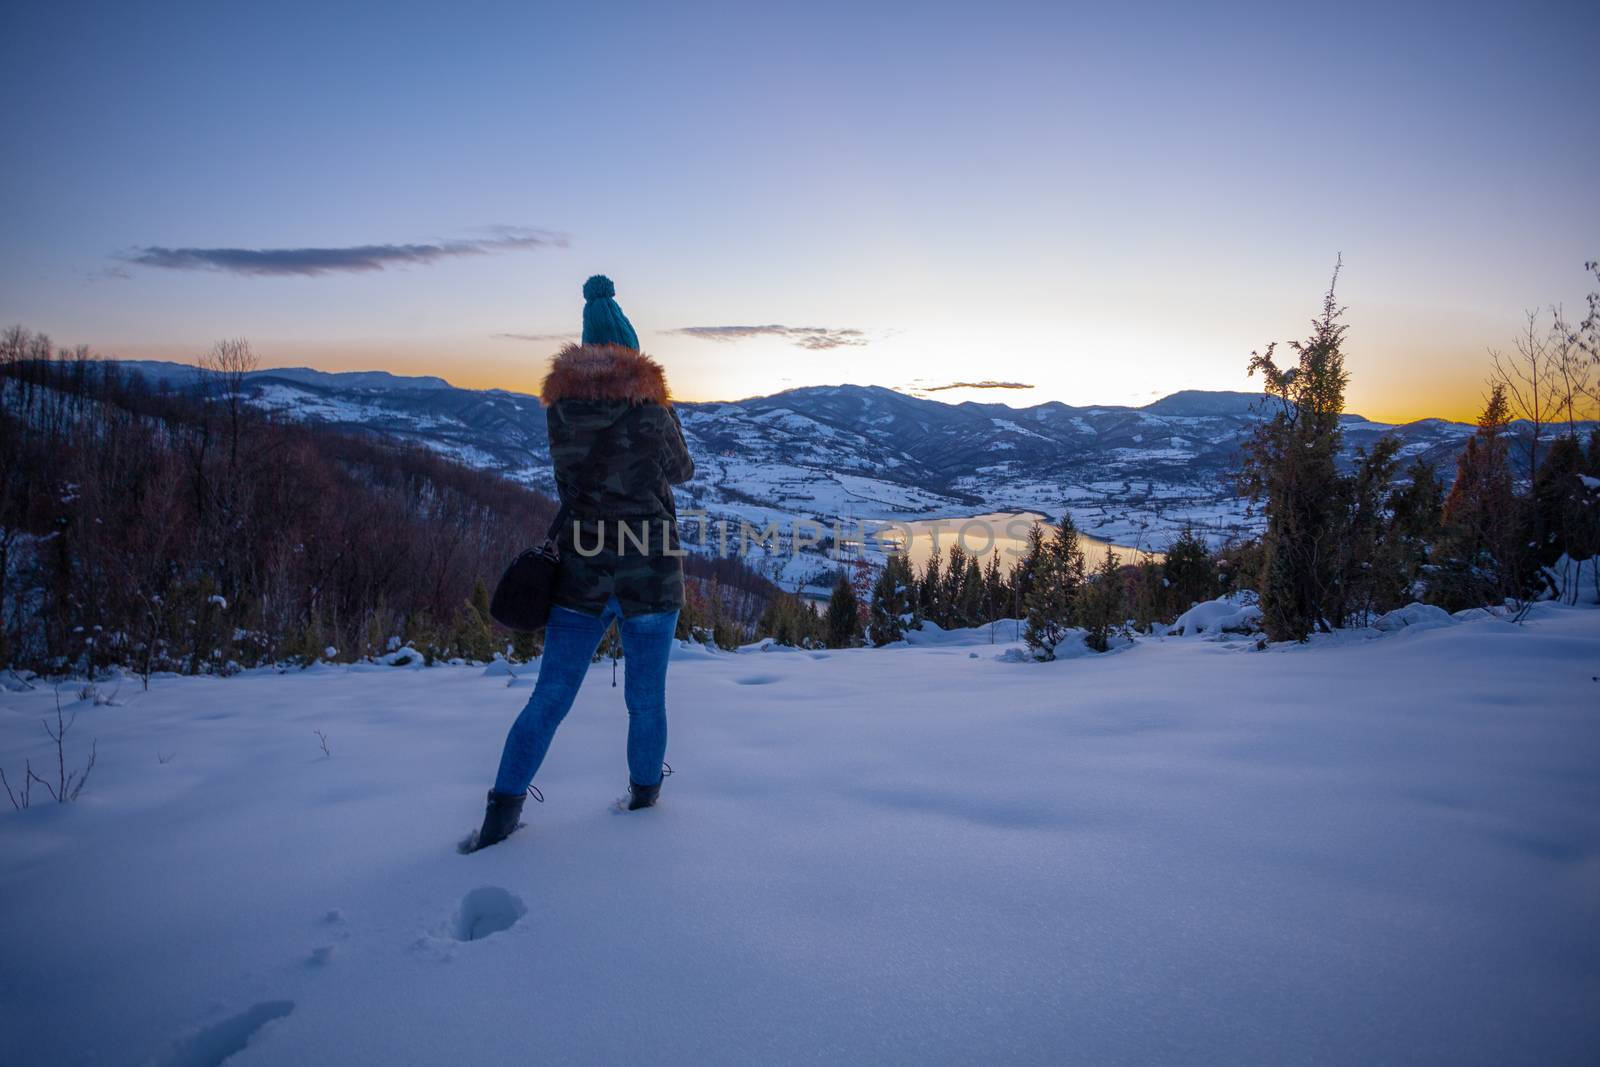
499, 818
642, 796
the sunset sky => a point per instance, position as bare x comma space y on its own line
1102, 205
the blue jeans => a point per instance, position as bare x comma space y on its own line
570, 640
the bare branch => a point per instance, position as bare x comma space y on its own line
13, 797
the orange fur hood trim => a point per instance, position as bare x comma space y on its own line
604, 372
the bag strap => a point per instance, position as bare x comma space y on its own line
564, 513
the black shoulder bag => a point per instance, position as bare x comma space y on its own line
526, 591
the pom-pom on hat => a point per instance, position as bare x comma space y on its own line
603, 321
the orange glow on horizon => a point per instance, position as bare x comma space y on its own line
1387, 401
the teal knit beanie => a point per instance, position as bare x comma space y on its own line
603, 321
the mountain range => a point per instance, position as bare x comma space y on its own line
1130, 475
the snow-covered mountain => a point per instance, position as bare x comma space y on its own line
1129, 475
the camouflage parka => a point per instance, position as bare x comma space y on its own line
618, 450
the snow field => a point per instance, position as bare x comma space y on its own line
1375, 847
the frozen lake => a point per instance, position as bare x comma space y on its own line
980, 535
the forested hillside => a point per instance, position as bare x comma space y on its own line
175, 527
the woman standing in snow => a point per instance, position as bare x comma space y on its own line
618, 449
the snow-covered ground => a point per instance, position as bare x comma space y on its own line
1381, 847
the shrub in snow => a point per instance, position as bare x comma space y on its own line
1224, 615
499, 668
68, 784
1415, 617
404, 656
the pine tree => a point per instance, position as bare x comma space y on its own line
1370, 575
787, 620
1148, 603
930, 590
971, 605
1480, 553
1415, 508
1188, 573
1104, 610
891, 597
1291, 464
1068, 551
1022, 575
955, 576
1561, 523
996, 591
843, 622
1057, 578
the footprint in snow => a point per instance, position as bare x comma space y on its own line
214, 1045
322, 955
486, 911
758, 679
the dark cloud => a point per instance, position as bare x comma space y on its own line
535, 336
985, 384
354, 259
815, 338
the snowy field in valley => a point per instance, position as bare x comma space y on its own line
1375, 848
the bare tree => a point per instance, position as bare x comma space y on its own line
1573, 372
226, 367
1529, 381
1587, 336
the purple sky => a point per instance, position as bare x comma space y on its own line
1105, 205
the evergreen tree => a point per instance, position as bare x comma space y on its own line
1067, 549
526, 646
1415, 508
1104, 611
1481, 556
1022, 575
473, 639
790, 620
892, 594
1057, 579
970, 607
1189, 574
843, 623
950, 597
1150, 594
1291, 464
996, 591
1370, 574
930, 590
1562, 522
